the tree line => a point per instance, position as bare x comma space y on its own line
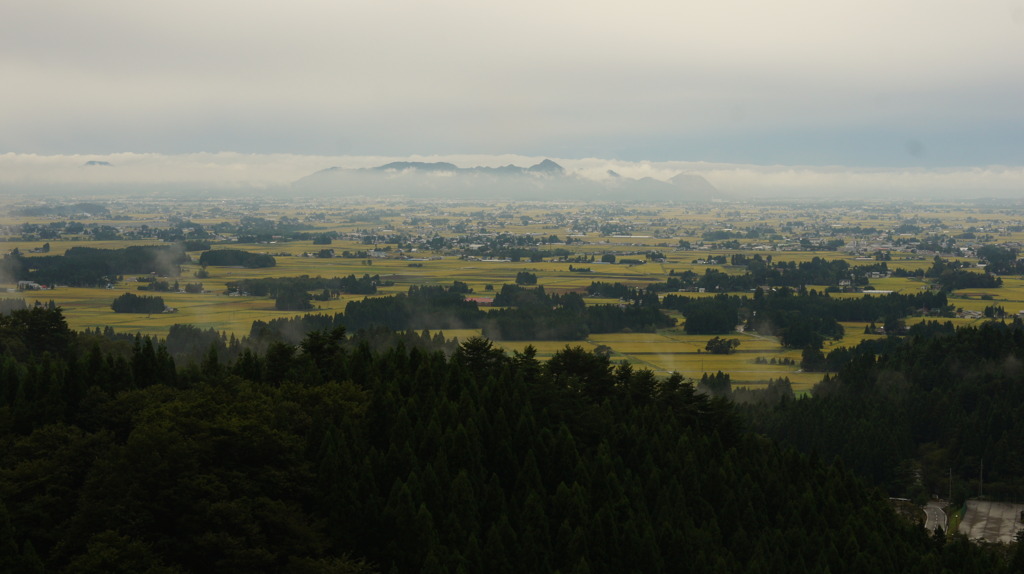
524, 314
800, 318
834, 274
91, 266
236, 258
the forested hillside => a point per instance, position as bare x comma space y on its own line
909, 413
339, 455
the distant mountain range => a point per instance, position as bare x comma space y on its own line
544, 181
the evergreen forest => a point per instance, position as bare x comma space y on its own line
383, 451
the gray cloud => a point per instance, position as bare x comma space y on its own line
695, 80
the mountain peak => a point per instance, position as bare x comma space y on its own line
547, 166
418, 166
544, 181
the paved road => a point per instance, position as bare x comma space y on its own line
935, 516
991, 521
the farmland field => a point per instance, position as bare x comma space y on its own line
417, 244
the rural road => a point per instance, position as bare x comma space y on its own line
935, 517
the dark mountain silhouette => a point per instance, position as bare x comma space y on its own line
693, 182
416, 165
544, 181
547, 166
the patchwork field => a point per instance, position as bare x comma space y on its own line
671, 239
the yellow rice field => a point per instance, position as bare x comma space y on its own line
666, 351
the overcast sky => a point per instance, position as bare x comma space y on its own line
867, 83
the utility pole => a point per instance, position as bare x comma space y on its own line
981, 480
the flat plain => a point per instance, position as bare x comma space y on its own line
424, 243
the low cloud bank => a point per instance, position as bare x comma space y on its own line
84, 175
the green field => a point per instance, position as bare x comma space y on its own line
660, 229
